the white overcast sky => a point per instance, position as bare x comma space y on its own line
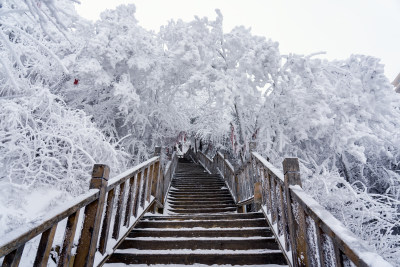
339, 27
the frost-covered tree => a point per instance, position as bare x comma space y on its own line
123, 85
338, 115
222, 75
340, 119
29, 30
44, 144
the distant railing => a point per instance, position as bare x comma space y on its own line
168, 173
135, 191
307, 233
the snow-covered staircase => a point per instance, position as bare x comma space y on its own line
194, 190
201, 227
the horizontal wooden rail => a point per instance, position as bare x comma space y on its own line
109, 205
245, 202
13, 240
307, 233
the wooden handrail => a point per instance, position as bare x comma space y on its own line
168, 173
306, 232
13, 240
141, 186
245, 202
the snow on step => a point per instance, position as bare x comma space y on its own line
197, 265
200, 238
215, 220
195, 252
203, 228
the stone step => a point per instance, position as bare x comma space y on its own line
204, 223
185, 174
198, 175
209, 206
197, 243
194, 185
209, 257
183, 187
205, 202
190, 232
208, 210
183, 193
232, 216
201, 191
198, 189
200, 194
214, 182
216, 190
198, 184
190, 172
197, 178
200, 198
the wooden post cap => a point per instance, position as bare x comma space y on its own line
291, 170
252, 146
157, 151
101, 171
291, 165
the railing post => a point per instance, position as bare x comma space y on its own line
155, 187
291, 171
253, 167
65, 256
93, 212
13, 258
237, 185
156, 173
224, 167
257, 196
44, 248
138, 195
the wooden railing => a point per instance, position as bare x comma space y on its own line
168, 173
135, 191
307, 233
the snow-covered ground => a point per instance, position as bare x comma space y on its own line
22, 207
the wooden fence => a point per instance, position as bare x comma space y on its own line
307, 233
135, 191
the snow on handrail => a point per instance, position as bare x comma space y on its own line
128, 173
342, 237
230, 166
98, 208
278, 173
11, 240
